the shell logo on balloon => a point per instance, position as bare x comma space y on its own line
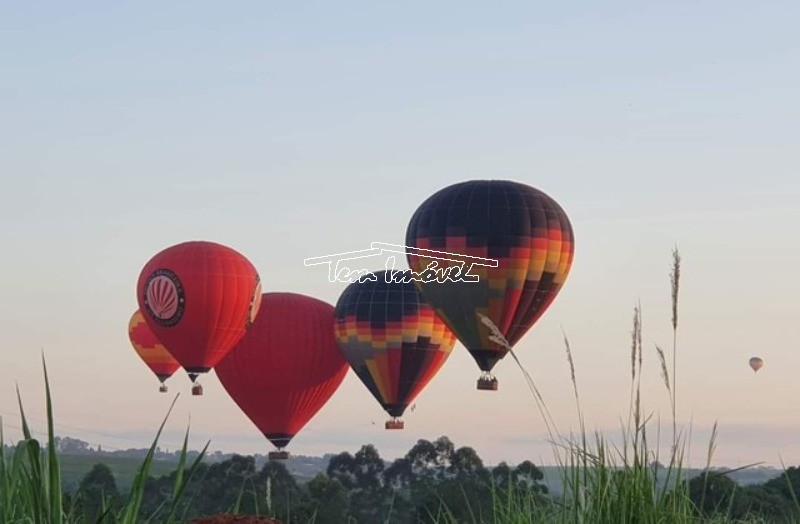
164, 298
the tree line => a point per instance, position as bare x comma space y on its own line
432, 478
434, 481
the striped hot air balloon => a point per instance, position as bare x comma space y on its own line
524, 230
150, 350
392, 339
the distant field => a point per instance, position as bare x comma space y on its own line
756, 475
74, 467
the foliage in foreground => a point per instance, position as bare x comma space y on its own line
603, 482
30, 483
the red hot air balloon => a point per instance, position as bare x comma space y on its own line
199, 298
392, 339
524, 230
150, 350
286, 367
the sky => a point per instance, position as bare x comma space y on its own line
294, 130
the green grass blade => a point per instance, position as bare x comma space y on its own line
130, 512
26, 431
179, 488
55, 497
32, 480
179, 475
237, 505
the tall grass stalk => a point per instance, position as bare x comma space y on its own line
30, 478
34, 491
604, 482
55, 495
498, 337
609, 483
675, 281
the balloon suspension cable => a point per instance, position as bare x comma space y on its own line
394, 423
192, 376
498, 338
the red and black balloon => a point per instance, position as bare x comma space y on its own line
392, 339
524, 230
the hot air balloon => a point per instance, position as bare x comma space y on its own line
392, 339
756, 363
523, 229
286, 367
199, 298
150, 350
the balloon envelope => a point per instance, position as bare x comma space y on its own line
756, 363
392, 339
199, 298
523, 229
149, 349
286, 367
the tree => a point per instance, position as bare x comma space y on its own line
466, 465
368, 468
447, 482
221, 484
97, 492
285, 498
329, 499
71, 445
342, 468
530, 476
754, 502
787, 484
423, 459
503, 476
712, 493
399, 474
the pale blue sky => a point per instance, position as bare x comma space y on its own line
291, 131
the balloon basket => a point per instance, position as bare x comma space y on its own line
163, 388
197, 390
487, 384
395, 424
278, 455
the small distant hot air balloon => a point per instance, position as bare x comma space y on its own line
524, 230
393, 340
150, 350
199, 298
756, 363
286, 367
